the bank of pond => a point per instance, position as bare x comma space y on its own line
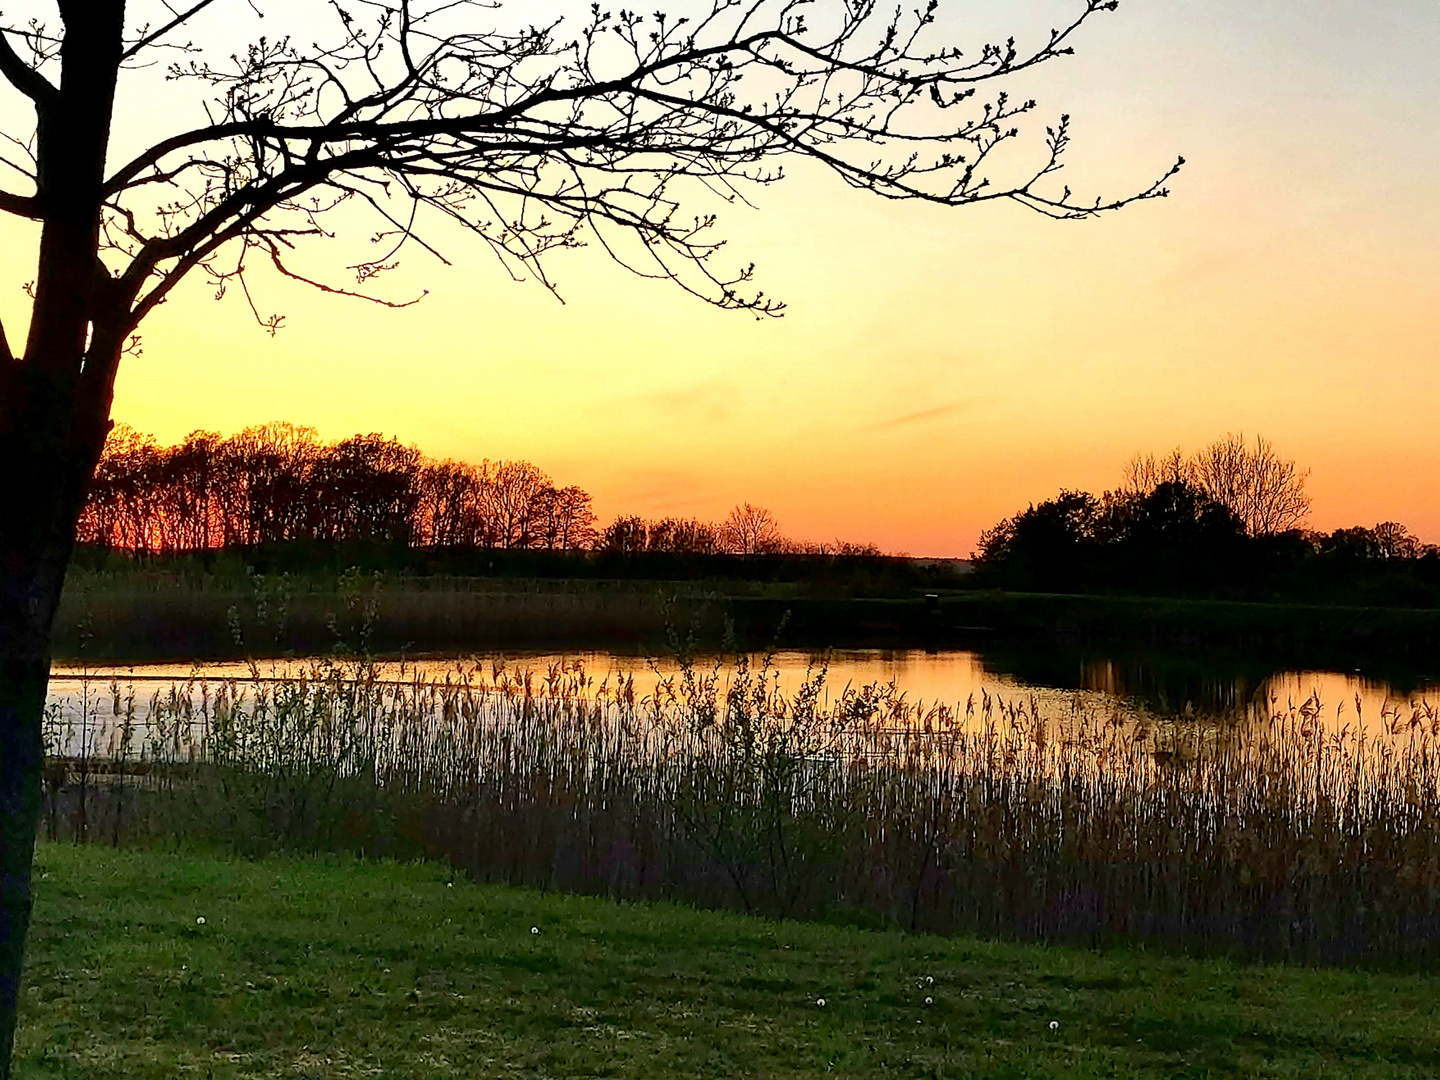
171, 962
1296, 828
177, 615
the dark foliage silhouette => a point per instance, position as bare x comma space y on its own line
278, 484
1173, 534
1165, 533
1253, 482
1043, 547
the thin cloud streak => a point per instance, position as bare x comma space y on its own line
917, 417
712, 402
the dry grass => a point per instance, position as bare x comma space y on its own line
1293, 838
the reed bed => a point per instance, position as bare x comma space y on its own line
1299, 836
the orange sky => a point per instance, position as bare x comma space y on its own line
939, 369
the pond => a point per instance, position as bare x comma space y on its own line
1163, 687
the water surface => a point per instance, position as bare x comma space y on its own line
1164, 687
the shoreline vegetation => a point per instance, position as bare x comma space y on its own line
1225, 523
270, 541
1307, 836
1304, 837
180, 610
280, 484
189, 613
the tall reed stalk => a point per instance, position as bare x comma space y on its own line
1293, 837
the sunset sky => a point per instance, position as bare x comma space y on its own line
939, 368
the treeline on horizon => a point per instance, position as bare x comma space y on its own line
279, 484
1226, 522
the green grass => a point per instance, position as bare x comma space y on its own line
327, 968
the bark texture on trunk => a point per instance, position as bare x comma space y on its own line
54, 415
22, 701
43, 471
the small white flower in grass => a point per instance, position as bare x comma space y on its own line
929, 980
820, 1003
534, 929
200, 920
1054, 1025
929, 1001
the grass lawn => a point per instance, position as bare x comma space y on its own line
146, 964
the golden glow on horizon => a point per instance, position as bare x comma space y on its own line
937, 369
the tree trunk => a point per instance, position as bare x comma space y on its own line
43, 472
54, 415
31, 577
22, 700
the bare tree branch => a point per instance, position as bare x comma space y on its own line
22, 76
523, 140
152, 37
26, 206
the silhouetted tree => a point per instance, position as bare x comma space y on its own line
277, 483
1259, 487
626, 535
528, 138
191, 506
751, 530
274, 466
448, 505
632, 535
1387, 540
845, 549
1046, 546
571, 521
111, 509
1262, 489
1170, 536
853, 549
684, 536
363, 488
514, 495
1145, 472
1174, 535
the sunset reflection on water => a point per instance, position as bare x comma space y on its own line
949, 678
